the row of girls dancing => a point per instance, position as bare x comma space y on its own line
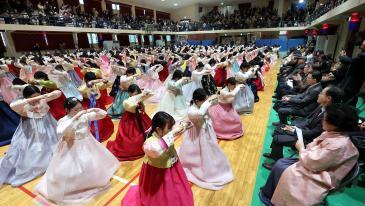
54, 109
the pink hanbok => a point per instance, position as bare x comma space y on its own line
203, 160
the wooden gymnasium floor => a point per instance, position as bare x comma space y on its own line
244, 155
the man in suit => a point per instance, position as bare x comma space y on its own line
301, 104
311, 127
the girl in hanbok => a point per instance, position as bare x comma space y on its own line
116, 110
226, 121
56, 105
153, 83
196, 78
10, 121
8, 95
34, 140
207, 81
64, 83
203, 161
162, 180
244, 100
70, 67
131, 133
91, 91
173, 101
81, 167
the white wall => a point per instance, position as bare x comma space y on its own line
190, 12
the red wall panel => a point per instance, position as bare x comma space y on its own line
162, 15
24, 41
56, 38
123, 39
83, 42
140, 12
90, 4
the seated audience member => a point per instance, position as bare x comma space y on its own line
338, 71
301, 104
285, 135
321, 165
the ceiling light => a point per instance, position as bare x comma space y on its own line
162, 0
222, 3
175, 4
301, 1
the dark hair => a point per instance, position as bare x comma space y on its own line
30, 90
317, 75
198, 95
71, 102
343, 117
161, 120
131, 71
18, 81
231, 81
40, 75
244, 65
134, 87
89, 76
59, 67
335, 93
177, 75
200, 65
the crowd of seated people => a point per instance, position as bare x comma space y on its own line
46, 14
317, 9
319, 97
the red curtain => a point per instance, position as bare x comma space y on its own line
90, 4
162, 15
123, 39
140, 11
83, 41
57, 38
24, 41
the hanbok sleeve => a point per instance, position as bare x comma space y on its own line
96, 114
131, 103
48, 84
321, 157
64, 127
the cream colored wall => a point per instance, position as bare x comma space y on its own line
190, 12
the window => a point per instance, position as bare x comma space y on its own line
81, 1
132, 38
168, 38
92, 38
115, 7
150, 38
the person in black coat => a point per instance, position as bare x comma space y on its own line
285, 135
301, 104
354, 78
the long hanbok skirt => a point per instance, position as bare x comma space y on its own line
203, 160
9, 121
105, 98
78, 72
5, 90
157, 87
30, 151
227, 123
129, 141
244, 100
105, 127
116, 110
75, 78
160, 186
163, 74
80, 169
188, 89
175, 105
220, 77
70, 90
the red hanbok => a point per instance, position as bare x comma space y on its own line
220, 77
129, 141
